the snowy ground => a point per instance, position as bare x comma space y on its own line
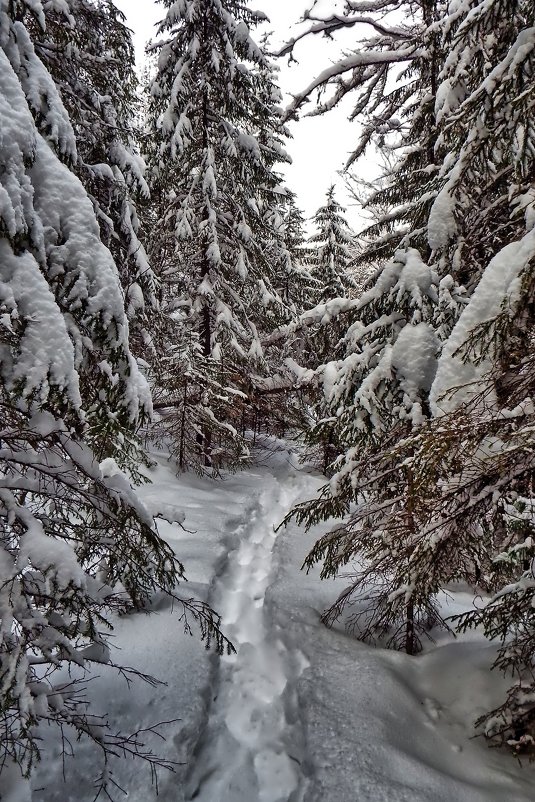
300, 713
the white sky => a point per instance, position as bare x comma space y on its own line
320, 144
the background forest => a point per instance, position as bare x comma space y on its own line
157, 285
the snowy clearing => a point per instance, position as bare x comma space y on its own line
301, 713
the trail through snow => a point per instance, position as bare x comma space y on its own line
300, 713
247, 752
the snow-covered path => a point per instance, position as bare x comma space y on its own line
247, 753
300, 713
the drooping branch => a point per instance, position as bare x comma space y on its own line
327, 26
351, 62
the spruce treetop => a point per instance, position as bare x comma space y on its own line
217, 139
331, 255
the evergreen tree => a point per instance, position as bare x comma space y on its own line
294, 230
389, 340
375, 394
331, 255
291, 279
451, 499
76, 546
88, 51
217, 136
482, 222
114, 397
302, 286
328, 260
271, 134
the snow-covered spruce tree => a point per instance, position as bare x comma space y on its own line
290, 279
473, 467
330, 258
86, 51
376, 392
76, 546
87, 48
392, 73
330, 253
483, 222
478, 216
294, 230
480, 227
216, 138
112, 391
302, 289
273, 407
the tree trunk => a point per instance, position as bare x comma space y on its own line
410, 635
182, 450
204, 437
410, 639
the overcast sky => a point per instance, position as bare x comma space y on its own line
320, 144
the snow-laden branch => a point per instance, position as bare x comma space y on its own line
336, 22
503, 71
351, 62
370, 5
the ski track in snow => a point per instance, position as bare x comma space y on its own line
250, 750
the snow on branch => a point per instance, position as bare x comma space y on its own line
351, 62
333, 23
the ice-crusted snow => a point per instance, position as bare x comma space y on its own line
300, 713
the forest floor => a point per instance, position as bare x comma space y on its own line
300, 713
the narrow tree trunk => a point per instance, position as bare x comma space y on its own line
410, 635
255, 425
204, 437
410, 639
182, 450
